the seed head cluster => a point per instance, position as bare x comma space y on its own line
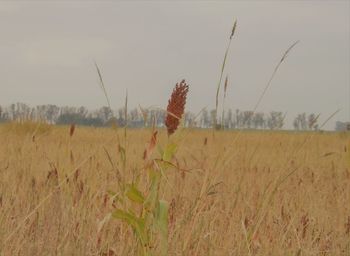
176, 106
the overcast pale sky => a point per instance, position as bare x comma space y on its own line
47, 51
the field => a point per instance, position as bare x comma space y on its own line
228, 192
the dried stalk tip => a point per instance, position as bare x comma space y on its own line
233, 29
176, 107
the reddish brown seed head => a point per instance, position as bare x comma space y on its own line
176, 107
71, 130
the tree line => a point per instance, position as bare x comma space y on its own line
138, 117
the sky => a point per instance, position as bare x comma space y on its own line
48, 49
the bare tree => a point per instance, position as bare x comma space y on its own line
229, 119
258, 120
275, 120
300, 122
105, 113
205, 120
312, 122
248, 119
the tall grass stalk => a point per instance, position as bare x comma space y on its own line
283, 58
285, 55
223, 104
221, 74
103, 85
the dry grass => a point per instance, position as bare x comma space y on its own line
222, 196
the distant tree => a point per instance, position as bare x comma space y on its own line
306, 122
160, 117
2, 115
342, 126
121, 117
12, 112
258, 120
145, 117
39, 114
189, 119
300, 122
23, 111
247, 119
238, 119
134, 115
204, 120
135, 118
48, 113
82, 111
312, 122
68, 110
228, 119
213, 118
19, 112
105, 114
275, 120
303, 121
296, 124
76, 118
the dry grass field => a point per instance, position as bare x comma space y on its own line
229, 193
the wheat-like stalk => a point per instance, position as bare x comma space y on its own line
222, 73
176, 106
223, 103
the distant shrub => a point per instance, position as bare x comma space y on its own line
70, 118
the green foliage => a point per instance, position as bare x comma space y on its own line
150, 221
169, 152
134, 194
162, 223
137, 224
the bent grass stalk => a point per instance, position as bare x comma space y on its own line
284, 56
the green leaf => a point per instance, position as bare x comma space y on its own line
169, 152
152, 196
138, 224
162, 216
134, 194
162, 222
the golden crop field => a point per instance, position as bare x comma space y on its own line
85, 191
